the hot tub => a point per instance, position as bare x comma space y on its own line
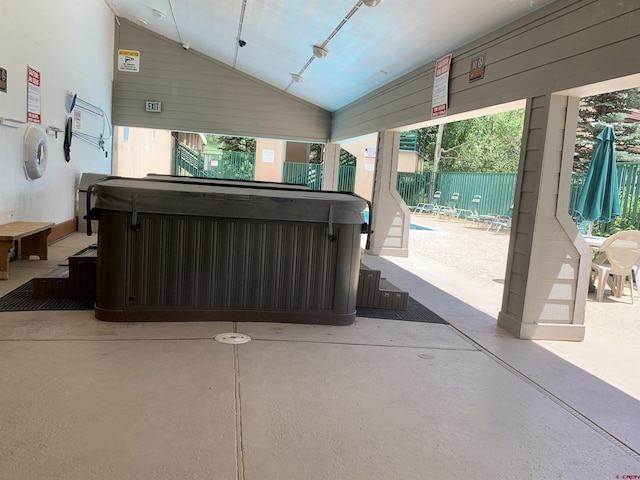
183, 250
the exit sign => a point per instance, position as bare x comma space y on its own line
153, 106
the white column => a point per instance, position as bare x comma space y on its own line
390, 216
331, 166
548, 265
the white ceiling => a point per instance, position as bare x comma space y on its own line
374, 45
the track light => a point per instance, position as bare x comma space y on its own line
297, 78
371, 3
320, 52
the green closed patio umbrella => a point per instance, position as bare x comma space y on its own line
600, 196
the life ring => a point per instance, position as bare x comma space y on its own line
35, 153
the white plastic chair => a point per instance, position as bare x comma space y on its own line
619, 254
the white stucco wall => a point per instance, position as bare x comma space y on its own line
70, 43
365, 165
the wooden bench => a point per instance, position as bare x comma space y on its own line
33, 241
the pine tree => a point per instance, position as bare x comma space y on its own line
600, 110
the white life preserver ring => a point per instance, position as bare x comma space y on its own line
35, 153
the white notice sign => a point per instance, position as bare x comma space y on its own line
268, 156
440, 100
128, 60
370, 152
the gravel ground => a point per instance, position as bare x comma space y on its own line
468, 248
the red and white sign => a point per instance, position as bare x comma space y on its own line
33, 96
440, 99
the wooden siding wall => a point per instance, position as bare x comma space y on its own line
545, 284
566, 44
199, 94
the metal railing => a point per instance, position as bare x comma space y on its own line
228, 165
346, 178
309, 174
413, 142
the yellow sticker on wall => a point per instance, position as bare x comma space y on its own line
128, 60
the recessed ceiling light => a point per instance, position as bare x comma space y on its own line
371, 3
141, 21
297, 78
158, 13
320, 52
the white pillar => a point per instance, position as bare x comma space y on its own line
331, 166
548, 265
390, 216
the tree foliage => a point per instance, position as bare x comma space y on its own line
233, 144
315, 153
484, 144
600, 110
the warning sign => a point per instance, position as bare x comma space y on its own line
128, 60
33, 96
440, 100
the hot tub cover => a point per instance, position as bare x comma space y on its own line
227, 201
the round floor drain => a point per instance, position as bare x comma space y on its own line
232, 338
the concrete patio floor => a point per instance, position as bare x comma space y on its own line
380, 399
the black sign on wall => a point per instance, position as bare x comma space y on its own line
3, 80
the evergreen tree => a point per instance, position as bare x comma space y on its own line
608, 108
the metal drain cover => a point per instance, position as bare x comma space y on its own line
232, 338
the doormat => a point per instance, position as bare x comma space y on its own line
415, 312
22, 300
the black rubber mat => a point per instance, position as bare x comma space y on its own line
21, 299
415, 312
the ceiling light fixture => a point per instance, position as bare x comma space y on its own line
141, 21
297, 78
158, 13
320, 52
371, 3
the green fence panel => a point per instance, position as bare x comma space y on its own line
228, 165
310, 174
296, 173
629, 177
497, 189
346, 178
414, 187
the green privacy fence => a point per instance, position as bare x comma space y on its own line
310, 174
498, 190
228, 165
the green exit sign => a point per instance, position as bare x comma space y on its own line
153, 106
